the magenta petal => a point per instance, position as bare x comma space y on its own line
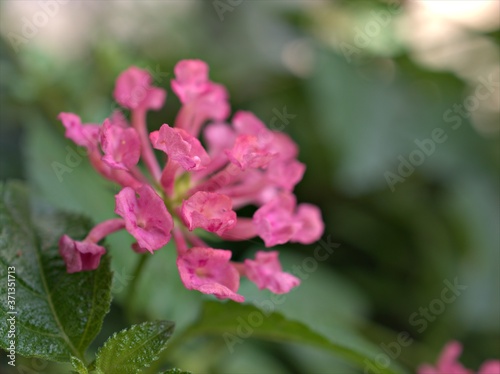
285, 173
146, 216
214, 103
447, 362
266, 272
118, 119
274, 220
284, 146
209, 271
191, 79
309, 224
490, 367
83, 135
249, 152
218, 137
210, 211
247, 123
80, 256
121, 146
180, 147
133, 90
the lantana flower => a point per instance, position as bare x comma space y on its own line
448, 363
212, 166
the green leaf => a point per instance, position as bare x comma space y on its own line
133, 349
176, 371
237, 322
78, 365
58, 314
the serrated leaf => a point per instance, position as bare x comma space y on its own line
133, 349
78, 365
58, 314
237, 322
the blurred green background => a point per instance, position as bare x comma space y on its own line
365, 81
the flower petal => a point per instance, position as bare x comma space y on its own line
309, 224
133, 90
180, 147
266, 272
209, 271
83, 135
210, 211
80, 256
249, 152
146, 216
274, 220
121, 146
191, 79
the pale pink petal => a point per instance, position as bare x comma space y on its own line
490, 367
247, 123
266, 272
449, 358
133, 90
308, 223
83, 135
180, 147
209, 271
214, 103
146, 216
121, 146
243, 230
80, 256
210, 211
448, 361
191, 79
218, 137
248, 152
284, 147
202, 100
274, 220
285, 173
118, 119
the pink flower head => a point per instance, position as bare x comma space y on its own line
133, 90
244, 163
121, 146
84, 135
180, 147
276, 221
80, 256
448, 363
210, 211
266, 272
209, 271
146, 216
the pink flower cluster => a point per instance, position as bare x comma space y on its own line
448, 363
200, 186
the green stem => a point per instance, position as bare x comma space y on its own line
129, 298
